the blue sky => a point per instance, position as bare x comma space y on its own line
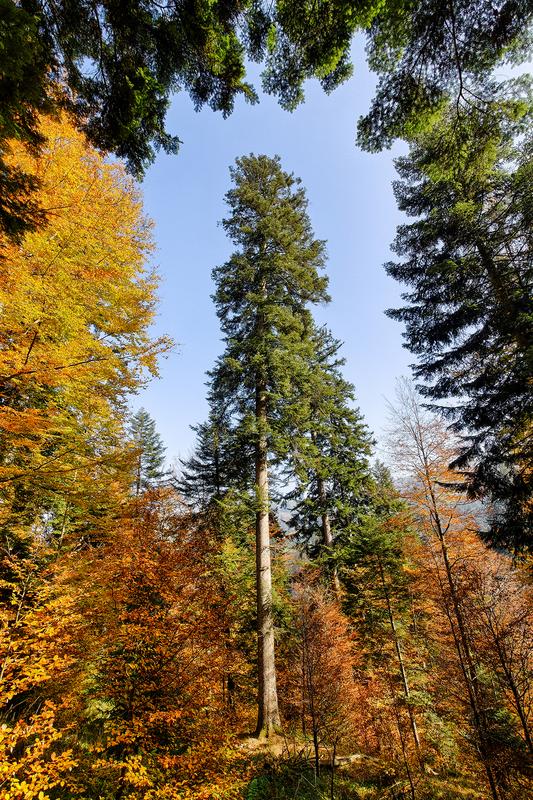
351, 205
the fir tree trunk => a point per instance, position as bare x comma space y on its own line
268, 715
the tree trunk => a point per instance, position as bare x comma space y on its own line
508, 673
268, 714
403, 673
327, 536
462, 641
332, 781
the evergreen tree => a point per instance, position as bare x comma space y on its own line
467, 260
373, 568
221, 459
262, 296
330, 452
216, 481
428, 52
114, 65
150, 460
372, 553
203, 477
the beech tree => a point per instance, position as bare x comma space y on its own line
262, 296
77, 301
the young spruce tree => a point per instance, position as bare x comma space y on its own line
262, 297
150, 465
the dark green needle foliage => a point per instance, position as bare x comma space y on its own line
311, 40
370, 556
24, 93
262, 296
205, 475
218, 475
150, 462
467, 261
329, 458
115, 65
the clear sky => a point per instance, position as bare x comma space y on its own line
351, 205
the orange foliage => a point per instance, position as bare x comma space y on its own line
121, 652
323, 696
479, 607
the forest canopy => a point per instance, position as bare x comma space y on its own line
114, 66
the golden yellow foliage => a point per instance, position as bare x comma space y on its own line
30, 763
76, 301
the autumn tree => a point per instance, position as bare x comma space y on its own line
155, 642
423, 449
324, 665
112, 673
39, 627
77, 302
499, 660
502, 613
262, 297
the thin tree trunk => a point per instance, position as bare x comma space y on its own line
307, 674
314, 721
509, 677
138, 478
304, 725
461, 638
327, 536
397, 645
332, 781
401, 737
518, 704
405, 760
268, 714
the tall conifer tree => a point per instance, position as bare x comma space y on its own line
467, 260
329, 457
262, 297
